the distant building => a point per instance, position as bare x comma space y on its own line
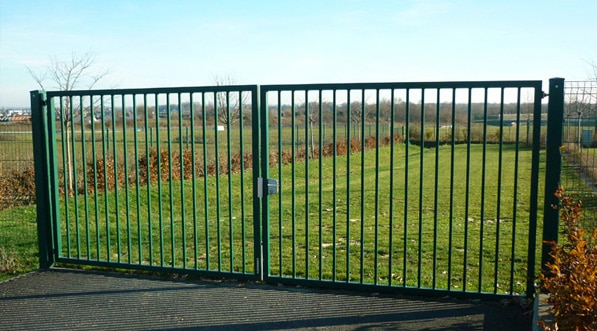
20, 118
17, 112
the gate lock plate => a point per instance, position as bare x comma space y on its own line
272, 187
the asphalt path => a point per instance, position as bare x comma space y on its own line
62, 299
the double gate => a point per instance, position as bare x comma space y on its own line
407, 187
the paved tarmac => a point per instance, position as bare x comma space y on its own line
60, 299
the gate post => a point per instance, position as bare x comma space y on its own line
553, 166
39, 124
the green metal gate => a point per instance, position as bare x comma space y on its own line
407, 187
150, 179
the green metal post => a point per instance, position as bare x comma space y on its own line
42, 178
260, 169
553, 163
530, 290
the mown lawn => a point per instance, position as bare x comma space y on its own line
335, 220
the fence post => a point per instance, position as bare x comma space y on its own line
43, 191
553, 165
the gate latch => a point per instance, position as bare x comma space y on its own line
272, 186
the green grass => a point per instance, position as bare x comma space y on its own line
18, 245
348, 236
167, 224
407, 238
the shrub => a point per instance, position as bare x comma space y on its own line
107, 167
571, 279
17, 187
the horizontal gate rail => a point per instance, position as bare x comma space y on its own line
157, 179
408, 187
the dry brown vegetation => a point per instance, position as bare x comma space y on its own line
571, 279
17, 187
167, 165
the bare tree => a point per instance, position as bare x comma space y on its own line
313, 117
229, 103
356, 117
582, 100
67, 75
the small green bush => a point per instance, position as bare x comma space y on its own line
571, 279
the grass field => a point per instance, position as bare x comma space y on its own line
381, 234
417, 235
362, 237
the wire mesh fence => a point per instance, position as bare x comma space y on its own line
579, 151
18, 236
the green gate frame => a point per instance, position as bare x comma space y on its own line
48, 195
47, 183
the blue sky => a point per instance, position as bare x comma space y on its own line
186, 43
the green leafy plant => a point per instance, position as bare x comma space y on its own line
571, 279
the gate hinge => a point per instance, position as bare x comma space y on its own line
543, 94
272, 187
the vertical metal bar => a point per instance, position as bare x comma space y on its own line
85, 188
148, 169
499, 193
261, 219
334, 183
170, 180
116, 183
436, 189
483, 187
348, 156
229, 156
55, 229
307, 158
421, 189
65, 175
377, 143
468, 186
137, 184
320, 143
553, 166
72, 173
52, 157
94, 167
159, 163
182, 179
362, 201
391, 197
406, 174
126, 182
556, 90
515, 193
452, 180
280, 181
194, 182
105, 148
217, 175
242, 181
205, 180
42, 178
293, 170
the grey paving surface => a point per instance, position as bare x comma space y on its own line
81, 300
